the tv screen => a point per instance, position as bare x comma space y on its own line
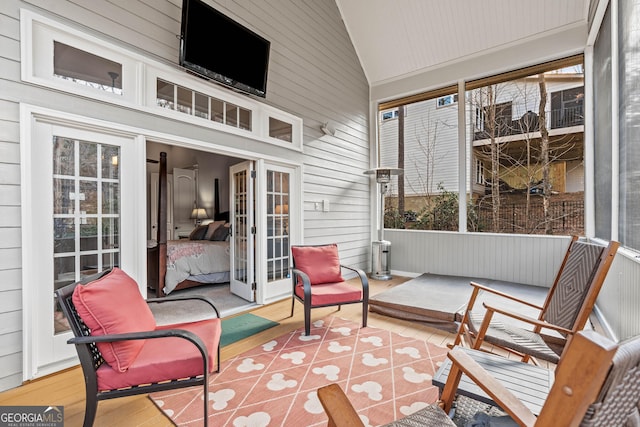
216, 47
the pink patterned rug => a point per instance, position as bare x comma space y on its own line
385, 375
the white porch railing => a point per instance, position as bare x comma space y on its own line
528, 259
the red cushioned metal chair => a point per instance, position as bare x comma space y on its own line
123, 352
317, 281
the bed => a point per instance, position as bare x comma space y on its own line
203, 258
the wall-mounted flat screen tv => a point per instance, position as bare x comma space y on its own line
217, 47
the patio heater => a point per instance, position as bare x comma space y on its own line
381, 249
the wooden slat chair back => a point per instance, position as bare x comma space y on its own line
92, 360
596, 384
566, 309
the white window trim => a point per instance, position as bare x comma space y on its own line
139, 75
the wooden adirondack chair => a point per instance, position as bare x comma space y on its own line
565, 311
597, 383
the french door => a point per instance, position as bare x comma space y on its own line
76, 186
278, 188
264, 218
242, 214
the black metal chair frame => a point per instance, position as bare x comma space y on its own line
91, 358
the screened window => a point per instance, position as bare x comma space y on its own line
602, 129
629, 124
526, 164
422, 141
531, 157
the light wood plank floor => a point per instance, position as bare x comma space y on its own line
67, 388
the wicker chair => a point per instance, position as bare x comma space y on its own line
597, 383
159, 358
565, 311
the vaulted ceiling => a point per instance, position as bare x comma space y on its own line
398, 38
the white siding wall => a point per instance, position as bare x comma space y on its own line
619, 297
528, 259
314, 74
430, 144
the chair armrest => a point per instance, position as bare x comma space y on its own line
306, 282
338, 407
536, 322
163, 333
184, 298
498, 393
304, 276
504, 295
361, 274
129, 336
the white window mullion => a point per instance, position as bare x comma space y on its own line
615, 125
77, 214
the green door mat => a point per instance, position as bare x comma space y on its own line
239, 327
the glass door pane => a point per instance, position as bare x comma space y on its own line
86, 212
277, 225
243, 231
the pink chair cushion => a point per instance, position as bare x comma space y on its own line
331, 293
321, 263
162, 359
113, 305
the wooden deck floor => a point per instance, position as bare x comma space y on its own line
67, 388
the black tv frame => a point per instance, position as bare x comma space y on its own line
191, 53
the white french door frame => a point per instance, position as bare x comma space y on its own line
268, 292
45, 352
242, 277
133, 255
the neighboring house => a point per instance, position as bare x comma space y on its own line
431, 137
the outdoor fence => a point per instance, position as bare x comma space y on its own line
567, 217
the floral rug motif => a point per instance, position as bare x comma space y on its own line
385, 375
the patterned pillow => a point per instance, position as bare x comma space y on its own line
221, 233
211, 228
198, 232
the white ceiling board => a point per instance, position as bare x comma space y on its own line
395, 39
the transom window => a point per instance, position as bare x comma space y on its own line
69, 60
86, 69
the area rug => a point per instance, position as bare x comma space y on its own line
385, 375
239, 327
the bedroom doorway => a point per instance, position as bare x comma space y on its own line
262, 202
